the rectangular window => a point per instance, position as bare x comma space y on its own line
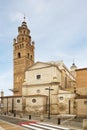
38, 76
85, 102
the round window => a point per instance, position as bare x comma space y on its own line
33, 100
18, 100
38, 90
61, 98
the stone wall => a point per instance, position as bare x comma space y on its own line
81, 107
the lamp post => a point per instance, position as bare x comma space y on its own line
49, 89
69, 106
12, 100
7, 105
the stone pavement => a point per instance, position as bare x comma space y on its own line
75, 123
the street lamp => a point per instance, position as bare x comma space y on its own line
12, 100
49, 89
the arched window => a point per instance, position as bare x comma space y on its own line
17, 47
22, 45
19, 55
22, 38
28, 55
31, 57
24, 31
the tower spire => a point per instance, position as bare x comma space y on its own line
24, 24
73, 68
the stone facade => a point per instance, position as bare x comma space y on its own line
11, 104
46, 75
66, 102
36, 104
39, 77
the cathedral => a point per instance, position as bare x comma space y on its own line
32, 79
41, 87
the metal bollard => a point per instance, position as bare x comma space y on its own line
58, 121
30, 117
14, 113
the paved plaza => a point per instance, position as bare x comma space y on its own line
75, 124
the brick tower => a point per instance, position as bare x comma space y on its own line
23, 56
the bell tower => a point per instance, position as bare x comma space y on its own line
23, 56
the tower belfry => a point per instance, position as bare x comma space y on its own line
23, 56
73, 69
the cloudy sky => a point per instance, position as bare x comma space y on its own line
58, 27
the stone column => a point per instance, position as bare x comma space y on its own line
84, 124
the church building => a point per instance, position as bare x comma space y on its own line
36, 86
43, 82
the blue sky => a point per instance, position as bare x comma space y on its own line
58, 27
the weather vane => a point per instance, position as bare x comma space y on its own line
24, 17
